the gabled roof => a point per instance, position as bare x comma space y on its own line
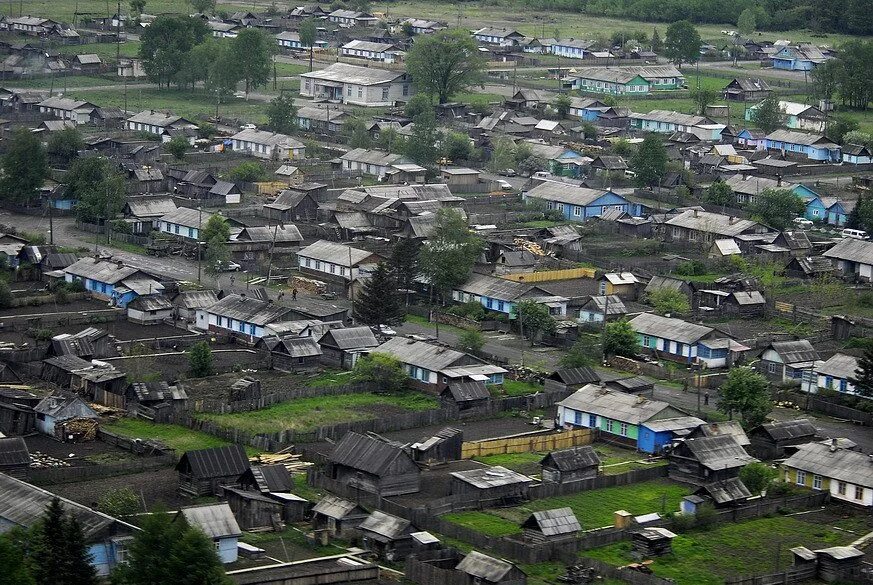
750, 84
272, 478
419, 353
794, 352
616, 405
839, 365
196, 299
669, 328
100, 270
385, 525
727, 490
563, 193
159, 119
599, 304
299, 347
853, 250
335, 253
13, 452
483, 567
468, 391
581, 375
716, 223
350, 338
787, 429
353, 74
717, 453
267, 138
365, 453
215, 520
553, 522
215, 462
336, 507
840, 464
63, 405
802, 138
188, 217
281, 234
727, 428
249, 309
572, 459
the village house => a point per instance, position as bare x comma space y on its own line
299, 203
570, 379
268, 145
722, 494
502, 296
420, 26
245, 318
379, 163
387, 536
289, 39
573, 48
624, 285
847, 475
374, 466
355, 85
203, 472
838, 212
775, 440
747, 188
707, 459
77, 111
498, 36
666, 122
633, 80
695, 226
295, 354
433, 367
785, 361
857, 154
550, 526
106, 539
746, 89
189, 301
342, 347
184, 222
797, 116
351, 18
459, 177
338, 517
55, 412
318, 119
804, 146
833, 374
578, 203
678, 340
810, 267
217, 522
569, 465
111, 280
150, 309
158, 123
339, 261
798, 58
853, 259
727, 428
278, 237
370, 51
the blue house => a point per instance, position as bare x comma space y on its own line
111, 280
798, 58
812, 146
184, 222
586, 109
219, 525
857, 154
680, 341
838, 212
579, 203
55, 410
816, 210
751, 138
107, 539
502, 295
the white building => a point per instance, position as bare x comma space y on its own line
157, 123
335, 259
67, 109
361, 86
269, 145
184, 222
384, 52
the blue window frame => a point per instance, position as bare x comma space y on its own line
592, 420
252, 329
500, 305
577, 418
242, 327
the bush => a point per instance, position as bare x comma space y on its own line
120, 226
691, 268
5, 295
42, 334
470, 310
779, 488
471, 341
249, 172
61, 296
119, 503
200, 360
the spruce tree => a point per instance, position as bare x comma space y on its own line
48, 557
863, 378
12, 561
377, 302
79, 570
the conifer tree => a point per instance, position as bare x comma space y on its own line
378, 302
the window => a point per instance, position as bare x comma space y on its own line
308, 262
405, 90
217, 545
622, 429
500, 305
384, 94
801, 477
841, 488
609, 425
252, 329
577, 418
308, 85
333, 268
647, 341
592, 420
816, 482
318, 264
859, 492
771, 368
360, 91
242, 327
577, 211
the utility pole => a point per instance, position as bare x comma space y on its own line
273, 247
351, 277
603, 330
199, 229
52, 227
118, 33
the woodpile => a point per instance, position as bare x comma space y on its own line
529, 246
83, 429
291, 461
41, 460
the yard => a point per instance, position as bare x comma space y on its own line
615, 460
706, 557
593, 508
178, 437
306, 414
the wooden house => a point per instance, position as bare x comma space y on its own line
374, 466
66, 417
651, 542
847, 475
570, 379
730, 428
202, 472
217, 522
479, 569
296, 354
707, 459
17, 416
257, 512
569, 465
445, 445
775, 440
491, 483
726, 492
785, 361
551, 525
14, 457
342, 347
299, 203
338, 517
466, 395
389, 537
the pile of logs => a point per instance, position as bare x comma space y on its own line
83, 429
291, 461
529, 246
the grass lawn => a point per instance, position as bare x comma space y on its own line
178, 437
304, 490
526, 463
291, 542
593, 508
64, 9
329, 378
422, 321
288, 69
106, 51
59, 83
517, 388
617, 460
731, 549
306, 414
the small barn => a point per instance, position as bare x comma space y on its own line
481, 569
150, 309
569, 465
16, 410
338, 517
375, 466
219, 525
725, 493
838, 562
14, 457
342, 347
296, 354
256, 511
66, 417
551, 525
651, 542
445, 445
570, 379
202, 472
466, 395
776, 440
267, 479
188, 302
495, 484
633, 385
729, 428
707, 459
389, 537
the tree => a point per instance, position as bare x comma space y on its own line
407, 28
15, 570
390, 140
223, 75
247, 171
444, 63
757, 476
355, 131
78, 569
307, 34
97, 187
404, 264
198, 64
777, 208
825, 79
64, 145
719, 193
119, 502
471, 341
747, 21
531, 165
421, 146
447, 257
281, 113
839, 126
650, 161
746, 393
25, 168
252, 50
768, 115
863, 376
703, 98
562, 105
203, 6
137, 6
377, 302
682, 43
216, 227
456, 146
584, 352
165, 45
200, 360
58, 555
657, 45
217, 254
534, 319
5, 295
382, 370
669, 301
418, 104
178, 146
619, 338
502, 154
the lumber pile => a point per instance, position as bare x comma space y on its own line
292, 462
83, 429
529, 246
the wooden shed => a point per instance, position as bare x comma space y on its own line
837, 562
444, 446
375, 466
776, 440
466, 394
254, 511
16, 410
551, 525
651, 542
570, 379
481, 569
569, 465
491, 483
707, 459
296, 354
14, 457
725, 493
338, 517
341, 347
202, 472
388, 536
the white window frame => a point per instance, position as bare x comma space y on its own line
800, 477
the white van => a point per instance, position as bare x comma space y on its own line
857, 234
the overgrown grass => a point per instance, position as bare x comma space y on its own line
304, 490
484, 522
526, 463
517, 388
178, 437
329, 378
290, 536
106, 51
731, 549
306, 414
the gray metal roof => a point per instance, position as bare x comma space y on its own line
572, 459
420, 353
299, 347
64, 405
349, 338
678, 423
839, 365
788, 429
215, 520
267, 138
344, 73
841, 552
359, 45
67, 104
564, 193
717, 453
365, 453
282, 234
215, 461
840, 464
484, 567
185, 216
794, 352
669, 117
385, 525
249, 310
582, 375
493, 287
669, 328
373, 157
727, 428
153, 302
336, 507
598, 303
553, 522
159, 119
13, 452
489, 477
335, 253
615, 405
196, 299
625, 74
853, 250
100, 270
793, 137
726, 491
468, 391
716, 223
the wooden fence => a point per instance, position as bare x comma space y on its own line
546, 275
266, 400
793, 574
840, 411
54, 475
527, 444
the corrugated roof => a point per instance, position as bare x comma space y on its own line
185, 216
716, 223
792, 137
489, 477
669, 328
350, 338
581, 375
727, 428
599, 304
267, 138
159, 119
335, 253
669, 117
613, 404
840, 464
572, 459
468, 391
13, 452
365, 453
352, 74
283, 234
717, 453
100, 270
853, 250
564, 193
299, 347
679, 423
553, 522
420, 353
215, 462
215, 520
788, 429
493, 287
249, 310
727, 490
385, 525
484, 567
336, 507
839, 365
196, 299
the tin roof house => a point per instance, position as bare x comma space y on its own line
707, 459
217, 522
374, 466
203, 472
847, 475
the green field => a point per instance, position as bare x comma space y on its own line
106, 51
518, 388
526, 463
64, 10
306, 414
731, 549
593, 508
177, 437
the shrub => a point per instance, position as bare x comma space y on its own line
248, 171
119, 503
5, 295
471, 341
779, 488
42, 334
691, 268
200, 360
61, 296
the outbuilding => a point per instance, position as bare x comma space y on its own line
707, 459
389, 537
217, 522
374, 466
551, 525
569, 465
778, 439
338, 517
202, 472
496, 485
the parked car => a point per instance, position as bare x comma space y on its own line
385, 330
857, 234
227, 266
802, 222
507, 172
505, 185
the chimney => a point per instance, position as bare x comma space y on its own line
695, 213
833, 445
731, 220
